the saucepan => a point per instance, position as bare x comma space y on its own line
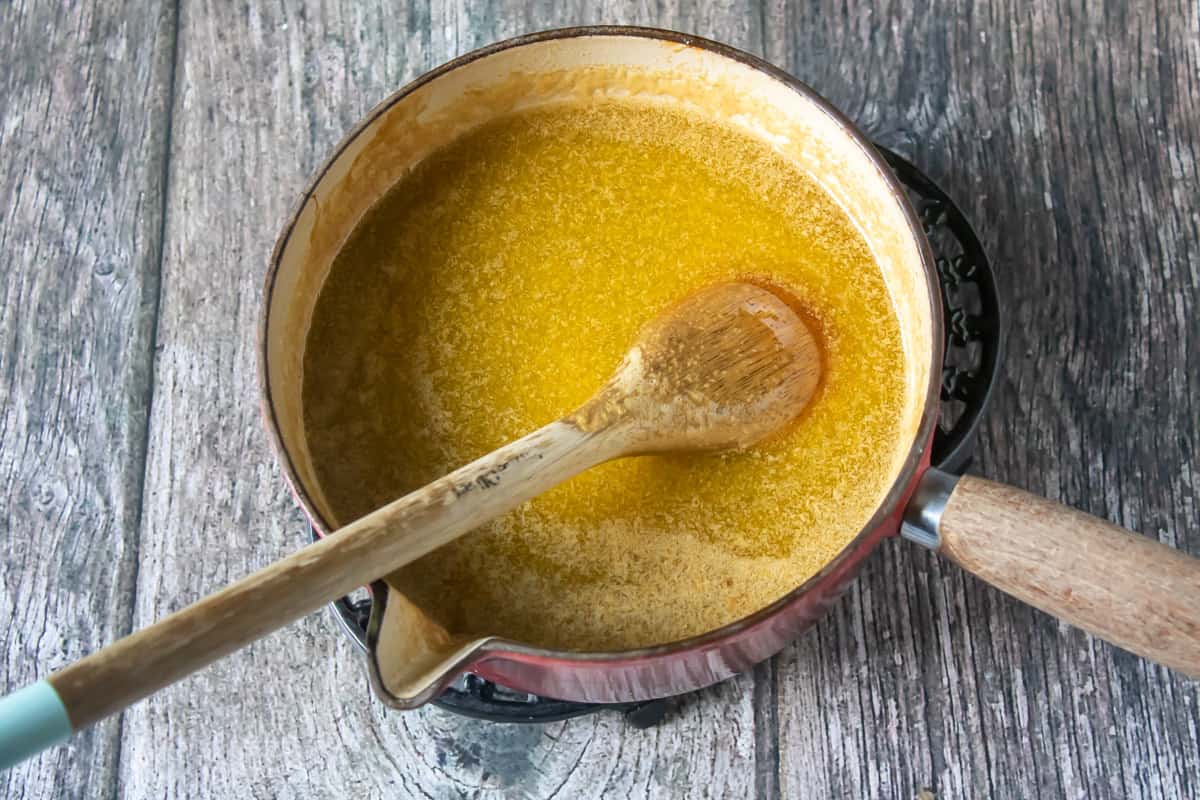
1118, 585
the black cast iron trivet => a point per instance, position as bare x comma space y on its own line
974, 348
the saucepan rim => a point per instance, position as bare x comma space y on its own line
901, 488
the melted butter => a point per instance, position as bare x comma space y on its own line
496, 288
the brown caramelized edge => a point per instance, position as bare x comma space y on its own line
901, 487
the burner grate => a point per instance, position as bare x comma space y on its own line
974, 347
971, 315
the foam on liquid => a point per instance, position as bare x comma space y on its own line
496, 287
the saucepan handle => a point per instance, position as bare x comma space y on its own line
1121, 586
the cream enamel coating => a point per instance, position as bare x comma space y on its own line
662, 67
551, 70
671, 69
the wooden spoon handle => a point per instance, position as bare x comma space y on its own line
363, 551
1124, 587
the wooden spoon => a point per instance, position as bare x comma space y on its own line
725, 368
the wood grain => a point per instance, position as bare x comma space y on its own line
1128, 589
262, 93
1069, 131
758, 377
82, 105
300, 583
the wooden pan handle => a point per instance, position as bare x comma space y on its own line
1121, 586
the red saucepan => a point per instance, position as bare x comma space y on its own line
1121, 586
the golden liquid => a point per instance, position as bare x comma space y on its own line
497, 286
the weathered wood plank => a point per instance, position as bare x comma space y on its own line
262, 93
1070, 133
82, 120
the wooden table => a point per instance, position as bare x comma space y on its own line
147, 158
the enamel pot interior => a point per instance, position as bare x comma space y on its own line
412, 658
